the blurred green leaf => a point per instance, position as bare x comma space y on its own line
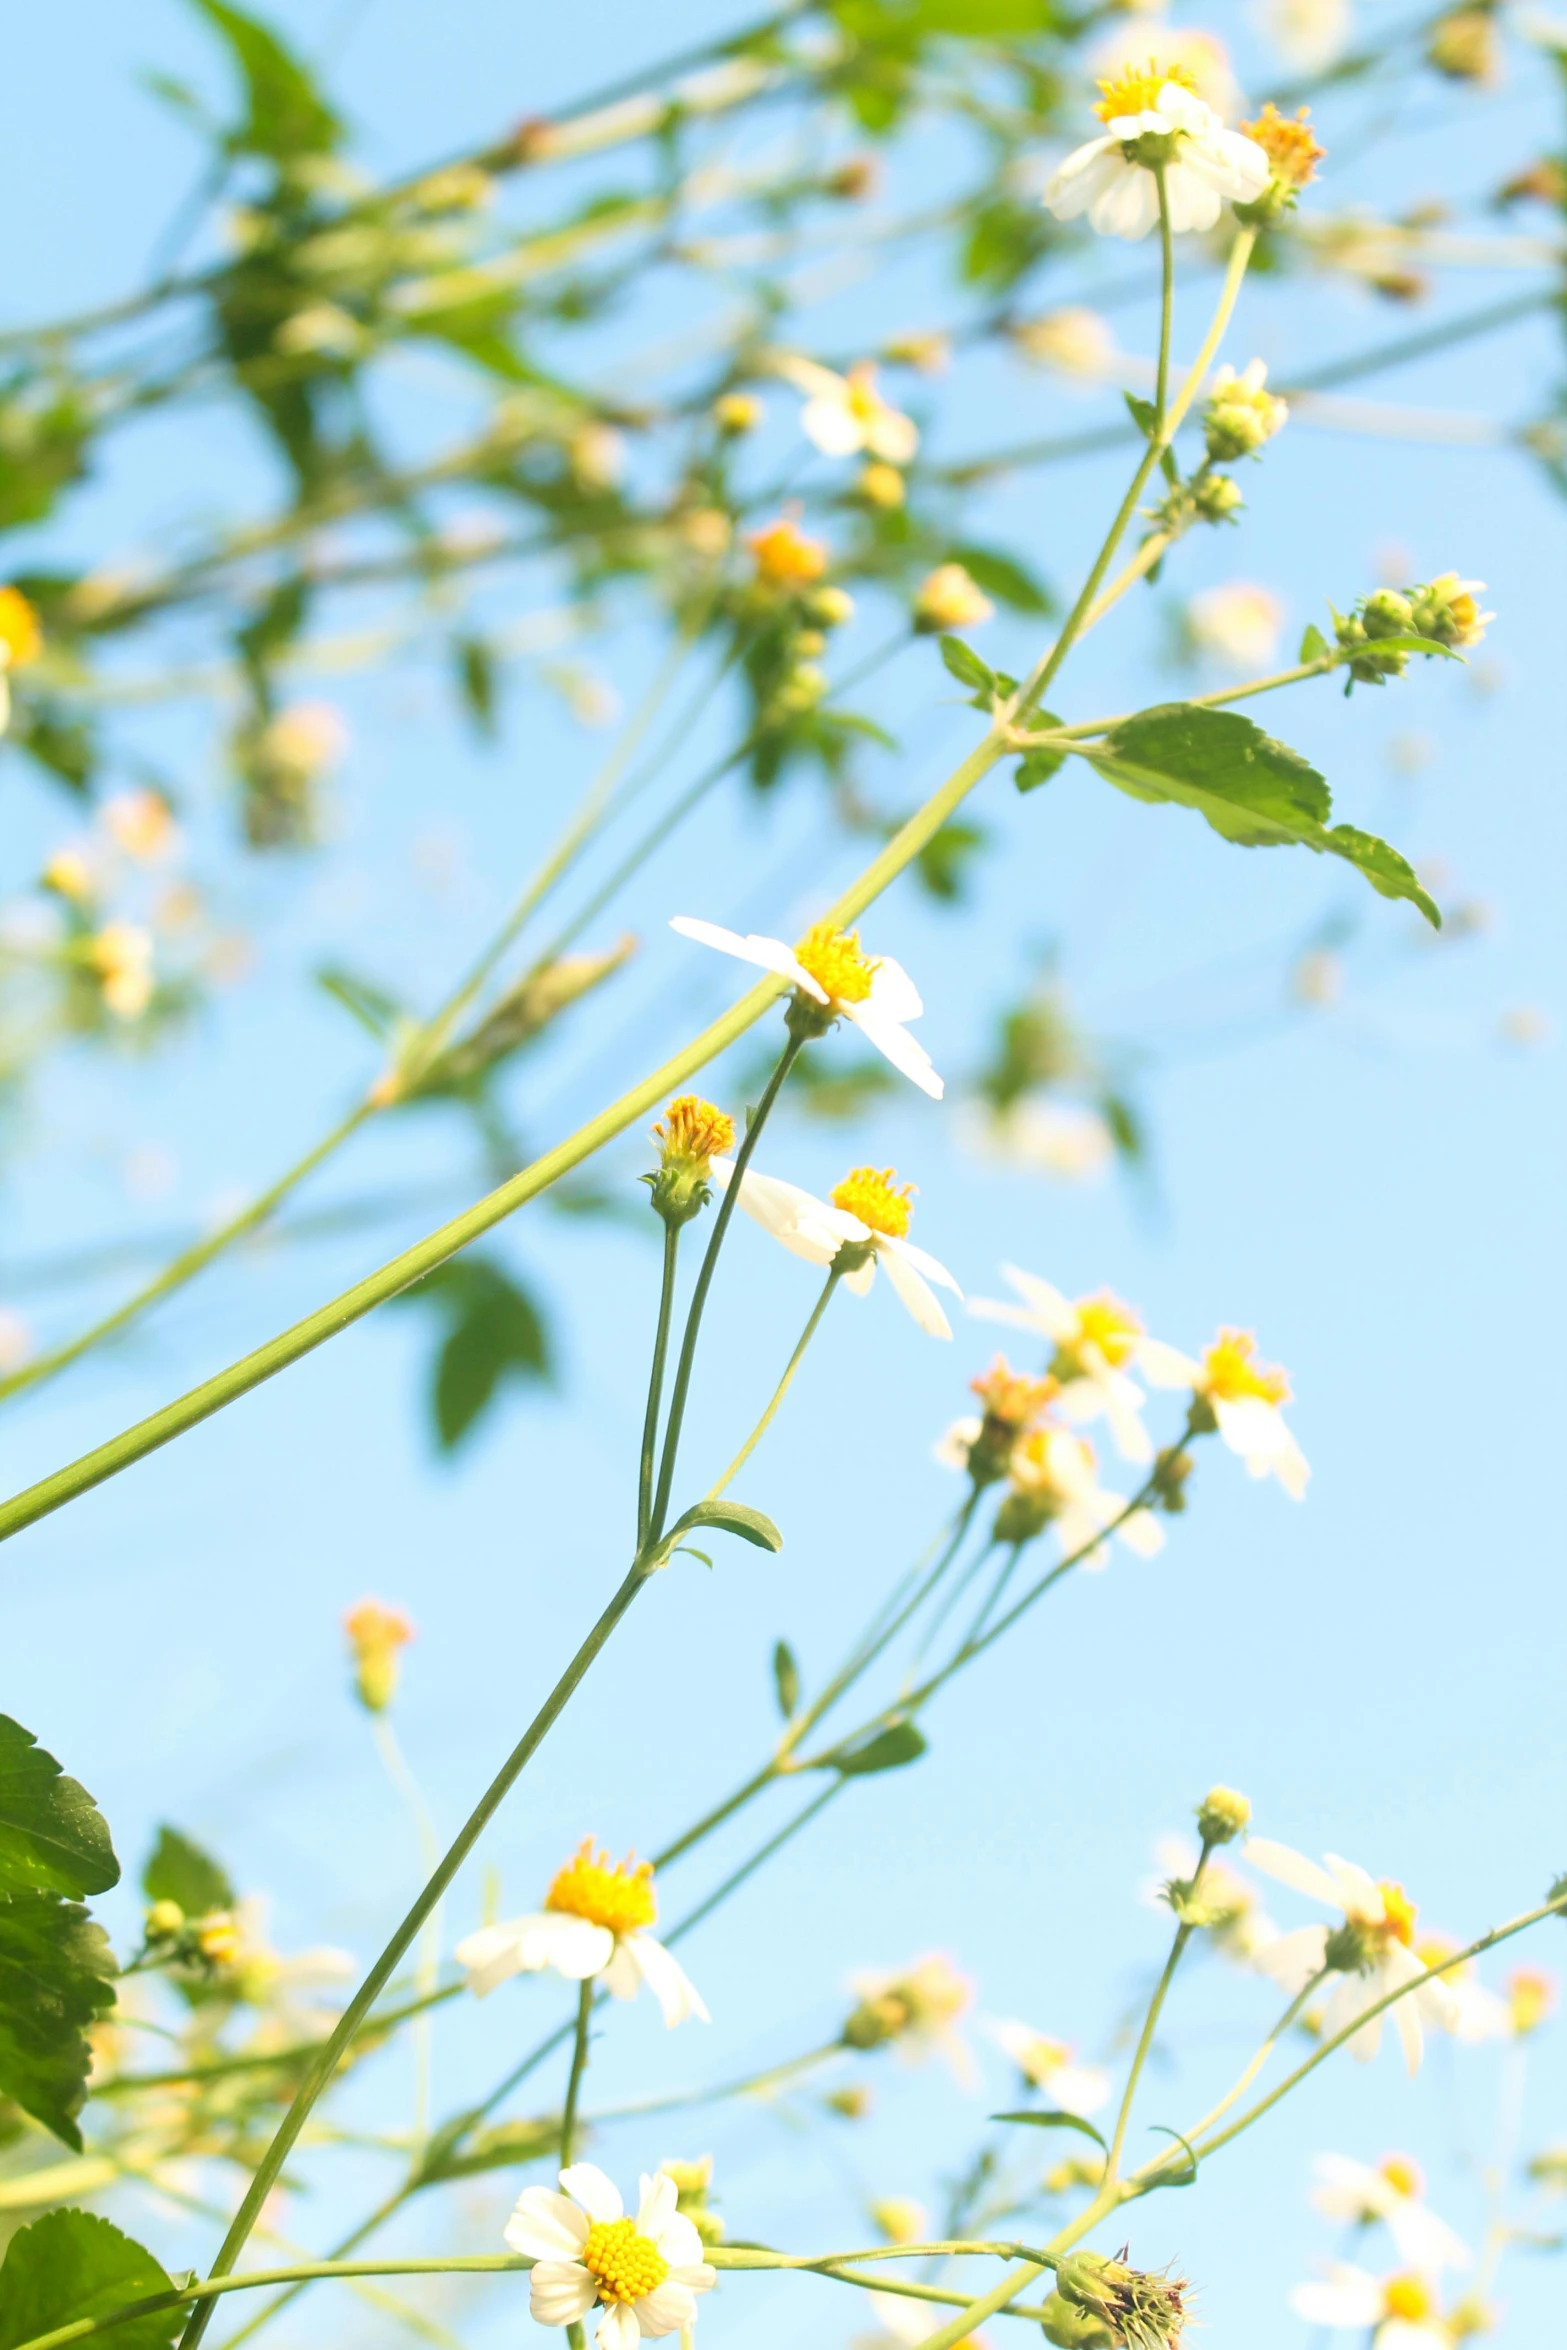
1004, 577
1313, 645
943, 863
70, 2266
889, 1750
965, 664
56, 1978
495, 1332
180, 1871
1044, 2117
1183, 2178
370, 1005
731, 1517
786, 1679
53, 1838
1037, 767
287, 114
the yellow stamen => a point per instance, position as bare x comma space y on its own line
1134, 90
1408, 2298
626, 2263
1011, 1399
1399, 1913
218, 1938
591, 1886
878, 1199
21, 638
1293, 154
1231, 1372
834, 960
692, 1129
1105, 1323
864, 401
1403, 2174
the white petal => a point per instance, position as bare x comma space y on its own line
801, 1222
923, 1262
1424, 2241
1079, 2088
832, 425
1402, 2333
1142, 1533
912, 1291
894, 992
666, 2309
678, 2241
1083, 177
1054, 1314
1348, 2188
861, 1278
559, 2292
677, 1996
1350, 2000
618, 2328
546, 2226
1359, 1894
491, 1956
1194, 203
1350, 2297
656, 2198
1129, 207
1288, 1867
1290, 1960
1183, 110
622, 1978
768, 954
895, 1044
598, 2196
1161, 1365
574, 1947
892, 436
696, 2276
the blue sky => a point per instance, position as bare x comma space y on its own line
1375, 1189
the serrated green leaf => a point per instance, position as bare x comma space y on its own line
1313, 645
1251, 789
1044, 2117
71, 2265
181, 1872
53, 1838
786, 1679
889, 1750
56, 1978
965, 664
732, 1517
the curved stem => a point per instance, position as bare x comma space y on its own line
655, 1385
780, 1391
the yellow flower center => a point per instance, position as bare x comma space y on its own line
1010, 1397
626, 2263
1531, 1995
1134, 90
785, 557
877, 1198
591, 1886
1408, 2298
1231, 1371
21, 638
692, 1129
1399, 1913
864, 402
1403, 2174
1293, 154
834, 960
1103, 1322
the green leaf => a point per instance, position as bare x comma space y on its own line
56, 1979
1142, 412
370, 1005
1037, 767
1004, 577
52, 1835
70, 2265
475, 659
181, 1872
1187, 2177
495, 1333
889, 1750
287, 113
504, 2147
942, 864
786, 1679
1044, 2117
732, 1517
965, 664
1313, 645
1252, 790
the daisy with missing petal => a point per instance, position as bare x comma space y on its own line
867, 1217
1401, 2312
646, 2272
1371, 1950
828, 970
1098, 1342
1049, 2065
594, 1921
1244, 1397
1392, 2191
845, 415
1154, 120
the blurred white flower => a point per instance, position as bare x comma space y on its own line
1401, 2312
1054, 1481
917, 2008
1245, 1396
1237, 1923
121, 954
1308, 34
1043, 1136
1239, 623
141, 825
845, 415
1097, 1341
1371, 1947
1392, 2191
1075, 341
1050, 2065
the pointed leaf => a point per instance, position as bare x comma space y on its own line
1313, 645
965, 664
181, 1872
1187, 2177
56, 1979
1037, 767
69, 2266
786, 1679
287, 113
52, 1835
732, 1517
1044, 2117
889, 1750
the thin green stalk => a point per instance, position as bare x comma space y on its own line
579, 2065
749, 2085
1161, 398
130, 2084
781, 1390
655, 1385
704, 1282
1323, 666
1183, 1935
427, 1963
763, 1853
375, 1981
1240, 2087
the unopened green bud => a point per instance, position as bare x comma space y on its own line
1242, 415
1387, 613
1071, 2328
164, 1920
830, 607
810, 642
1217, 497
876, 2021
1170, 1474
1222, 1815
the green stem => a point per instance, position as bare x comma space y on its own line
655, 1385
130, 2084
1161, 396
749, 2085
1183, 1934
780, 1391
579, 2065
358, 2008
704, 1282
427, 1965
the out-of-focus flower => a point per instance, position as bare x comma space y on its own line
121, 954
594, 1922
828, 967
1097, 1343
917, 2009
1474, 2013
867, 1216
1241, 415
141, 825
785, 558
1230, 1912
883, 486
1308, 34
903, 2324
949, 599
900, 2219
1182, 53
1393, 2191
1239, 623
706, 530
1526, 1025
1371, 1949
597, 453
1244, 1397
1291, 148
16, 1339
1531, 1999
646, 2271
376, 1635
1153, 116
21, 641
1401, 2312
1318, 978
1069, 1141
1466, 46
304, 740
1051, 2065
1012, 1402
928, 354
1073, 340
845, 415
693, 2182
322, 330
74, 873
1054, 1481
737, 412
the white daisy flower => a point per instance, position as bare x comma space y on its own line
1153, 113
1392, 2191
829, 969
1475, 2013
1244, 1396
1400, 2311
845, 414
868, 1212
918, 2009
594, 1922
1098, 1341
1054, 1481
1049, 2065
1372, 1949
645, 2271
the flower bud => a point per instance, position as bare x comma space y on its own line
785, 559
1010, 1400
165, 1920
1293, 155
809, 643
691, 1133
735, 413
1446, 610
375, 1635
218, 1938
21, 638
900, 2219
852, 2103
1242, 415
948, 600
883, 485
829, 607
1071, 2328
1170, 1474
1134, 2306
1222, 1815
1465, 47
1216, 497
692, 2182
